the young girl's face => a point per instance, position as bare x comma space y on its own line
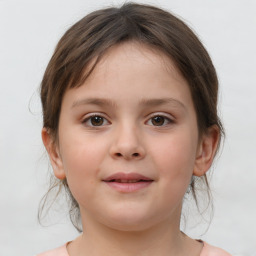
128, 140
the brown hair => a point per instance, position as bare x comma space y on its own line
83, 45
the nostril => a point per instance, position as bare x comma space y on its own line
133, 155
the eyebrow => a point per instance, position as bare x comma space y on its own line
161, 101
94, 101
144, 102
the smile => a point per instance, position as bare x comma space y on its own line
128, 182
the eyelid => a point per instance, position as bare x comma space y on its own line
87, 117
163, 114
168, 117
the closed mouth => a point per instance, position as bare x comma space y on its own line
128, 181
121, 177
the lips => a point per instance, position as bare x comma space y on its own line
128, 182
127, 178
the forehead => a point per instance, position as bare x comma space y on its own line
132, 73
140, 53
141, 58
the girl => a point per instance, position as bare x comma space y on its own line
130, 124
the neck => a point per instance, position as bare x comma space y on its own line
162, 239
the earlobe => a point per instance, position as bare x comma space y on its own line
206, 151
53, 154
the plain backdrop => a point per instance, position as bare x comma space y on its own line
29, 31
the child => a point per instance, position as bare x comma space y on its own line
130, 123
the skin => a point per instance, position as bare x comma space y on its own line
131, 85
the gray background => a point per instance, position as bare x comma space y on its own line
29, 31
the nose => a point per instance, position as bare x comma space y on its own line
127, 144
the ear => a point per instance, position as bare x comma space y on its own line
54, 154
206, 151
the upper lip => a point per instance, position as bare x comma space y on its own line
127, 176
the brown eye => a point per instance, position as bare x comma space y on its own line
158, 120
97, 120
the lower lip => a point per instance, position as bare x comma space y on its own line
129, 187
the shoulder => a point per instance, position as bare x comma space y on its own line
209, 250
60, 251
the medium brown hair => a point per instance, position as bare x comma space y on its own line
83, 45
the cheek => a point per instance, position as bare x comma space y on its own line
80, 153
175, 157
81, 161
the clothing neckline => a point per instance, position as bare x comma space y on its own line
199, 240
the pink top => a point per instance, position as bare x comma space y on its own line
207, 250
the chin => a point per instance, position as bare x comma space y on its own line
129, 221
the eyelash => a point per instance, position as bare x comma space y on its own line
89, 119
167, 120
